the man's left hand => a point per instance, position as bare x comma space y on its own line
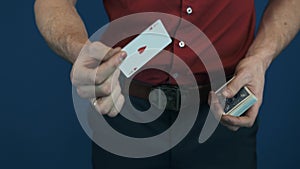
250, 72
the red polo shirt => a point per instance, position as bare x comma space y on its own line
228, 24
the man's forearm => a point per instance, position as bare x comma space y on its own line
61, 26
279, 25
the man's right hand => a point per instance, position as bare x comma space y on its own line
95, 75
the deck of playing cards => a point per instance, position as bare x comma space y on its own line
144, 47
238, 104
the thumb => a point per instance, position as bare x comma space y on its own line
234, 86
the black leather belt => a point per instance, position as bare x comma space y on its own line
172, 94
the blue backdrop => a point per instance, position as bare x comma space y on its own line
39, 128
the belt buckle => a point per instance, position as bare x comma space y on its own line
172, 99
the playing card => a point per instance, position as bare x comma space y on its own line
144, 47
238, 104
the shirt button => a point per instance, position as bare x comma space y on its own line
175, 75
181, 44
189, 10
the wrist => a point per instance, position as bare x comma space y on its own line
263, 55
74, 47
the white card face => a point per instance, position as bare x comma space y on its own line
144, 47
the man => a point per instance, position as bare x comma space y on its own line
228, 24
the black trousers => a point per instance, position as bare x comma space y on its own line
225, 149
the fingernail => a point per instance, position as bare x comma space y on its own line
122, 56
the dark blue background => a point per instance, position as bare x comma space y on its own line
39, 128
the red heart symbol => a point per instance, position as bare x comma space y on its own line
142, 49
